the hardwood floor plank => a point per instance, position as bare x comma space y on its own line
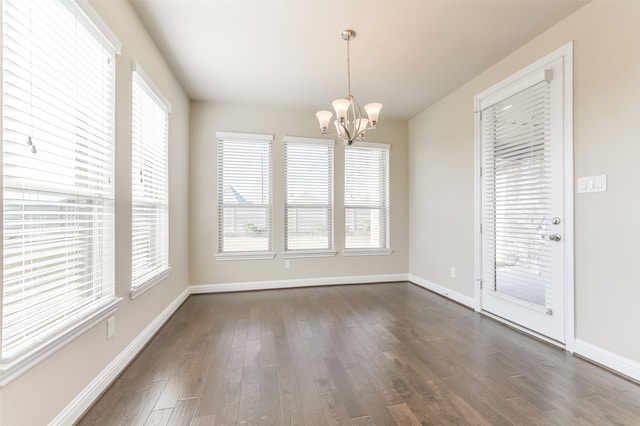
403, 415
144, 403
332, 405
380, 354
255, 323
305, 383
211, 388
378, 414
268, 355
159, 417
344, 388
252, 354
290, 403
249, 405
208, 420
270, 412
433, 391
305, 330
362, 421
227, 408
182, 413
176, 384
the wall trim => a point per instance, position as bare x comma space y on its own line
444, 291
608, 359
72, 412
303, 282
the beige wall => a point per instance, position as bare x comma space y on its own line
207, 119
36, 397
606, 141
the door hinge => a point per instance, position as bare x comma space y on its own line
481, 283
481, 228
481, 171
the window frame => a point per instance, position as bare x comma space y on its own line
384, 206
148, 277
52, 338
223, 137
329, 208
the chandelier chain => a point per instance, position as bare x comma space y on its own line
348, 68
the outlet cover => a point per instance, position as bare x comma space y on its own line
592, 184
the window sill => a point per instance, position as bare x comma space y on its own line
367, 252
294, 254
245, 256
11, 370
138, 290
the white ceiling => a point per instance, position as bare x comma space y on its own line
289, 54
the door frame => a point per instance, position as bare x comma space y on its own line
566, 53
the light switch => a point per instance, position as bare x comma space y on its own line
592, 184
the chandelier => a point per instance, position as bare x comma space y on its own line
349, 123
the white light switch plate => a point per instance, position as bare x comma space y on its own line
592, 184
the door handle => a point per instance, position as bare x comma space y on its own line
555, 237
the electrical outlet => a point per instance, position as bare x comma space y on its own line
111, 327
287, 264
453, 272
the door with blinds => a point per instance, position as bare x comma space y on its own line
522, 141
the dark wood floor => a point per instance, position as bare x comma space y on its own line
382, 354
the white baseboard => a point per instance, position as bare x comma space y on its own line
305, 282
444, 291
626, 366
83, 401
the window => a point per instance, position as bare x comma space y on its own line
58, 165
149, 185
309, 195
366, 199
244, 195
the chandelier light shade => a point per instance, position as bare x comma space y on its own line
350, 124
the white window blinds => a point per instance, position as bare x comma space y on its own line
150, 184
58, 153
309, 194
366, 196
244, 193
516, 192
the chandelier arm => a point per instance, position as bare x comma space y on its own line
346, 131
